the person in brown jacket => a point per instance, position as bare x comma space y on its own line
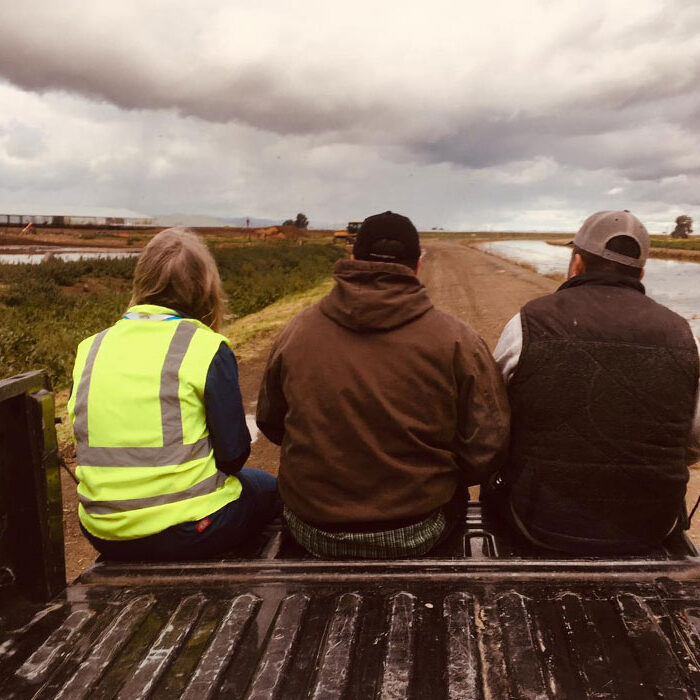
386, 408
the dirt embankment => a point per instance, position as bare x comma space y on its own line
97, 237
80, 237
683, 254
675, 254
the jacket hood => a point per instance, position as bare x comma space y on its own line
371, 296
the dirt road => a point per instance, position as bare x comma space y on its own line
480, 289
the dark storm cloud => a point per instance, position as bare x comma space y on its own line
255, 95
120, 62
127, 61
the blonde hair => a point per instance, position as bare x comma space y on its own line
177, 270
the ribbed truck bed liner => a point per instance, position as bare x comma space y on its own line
279, 629
485, 616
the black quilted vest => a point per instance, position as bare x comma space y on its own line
603, 402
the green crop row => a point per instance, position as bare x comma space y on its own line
47, 309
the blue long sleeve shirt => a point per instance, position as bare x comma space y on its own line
223, 405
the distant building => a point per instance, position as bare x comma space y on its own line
96, 216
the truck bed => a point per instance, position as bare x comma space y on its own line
486, 616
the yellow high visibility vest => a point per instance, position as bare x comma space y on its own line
137, 407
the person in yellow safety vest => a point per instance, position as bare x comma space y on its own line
159, 425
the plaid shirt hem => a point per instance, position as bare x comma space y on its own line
410, 541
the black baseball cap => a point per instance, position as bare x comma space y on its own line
387, 237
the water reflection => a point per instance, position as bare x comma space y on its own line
673, 283
33, 255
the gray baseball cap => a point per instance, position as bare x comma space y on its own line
598, 229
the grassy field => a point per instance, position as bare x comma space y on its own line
684, 249
139, 237
249, 334
676, 243
45, 310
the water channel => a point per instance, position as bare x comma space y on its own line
33, 255
672, 283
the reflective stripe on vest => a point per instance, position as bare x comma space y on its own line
174, 450
203, 488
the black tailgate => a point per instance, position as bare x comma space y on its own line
452, 627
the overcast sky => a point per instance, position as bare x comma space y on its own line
505, 114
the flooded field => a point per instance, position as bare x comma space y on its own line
670, 282
33, 255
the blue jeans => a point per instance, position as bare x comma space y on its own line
236, 524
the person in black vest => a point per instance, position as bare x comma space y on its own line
603, 384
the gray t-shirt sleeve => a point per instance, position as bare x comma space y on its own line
509, 347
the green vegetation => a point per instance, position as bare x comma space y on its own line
677, 243
249, 333
258, 275
47, 309
301, 221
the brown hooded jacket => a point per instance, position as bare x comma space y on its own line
380, 402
